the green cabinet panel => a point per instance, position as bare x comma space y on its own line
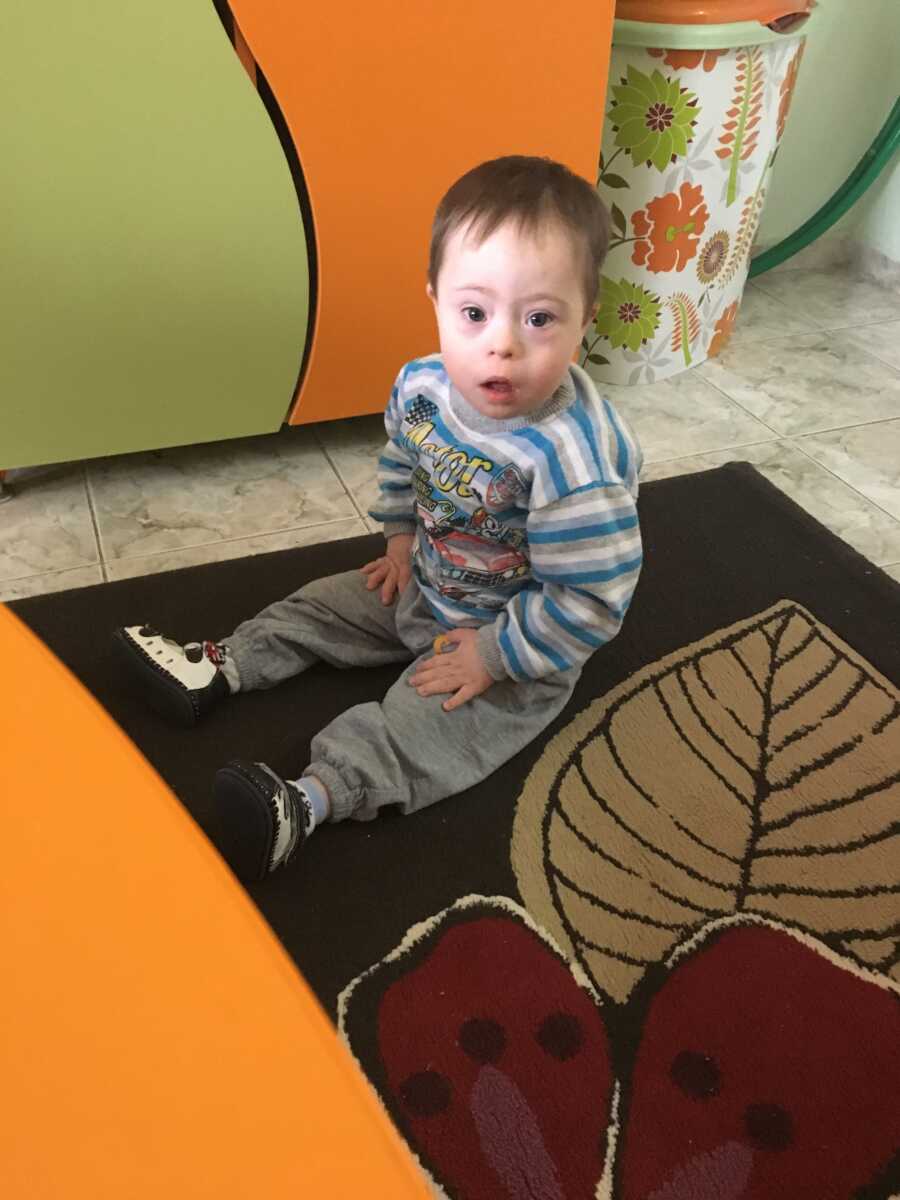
155, 281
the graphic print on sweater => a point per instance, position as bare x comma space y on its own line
475, 549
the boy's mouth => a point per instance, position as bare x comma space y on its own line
497, 386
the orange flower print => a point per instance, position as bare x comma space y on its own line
787, 91
668, 231
724, 329
687, 60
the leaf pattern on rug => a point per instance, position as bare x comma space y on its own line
757, 771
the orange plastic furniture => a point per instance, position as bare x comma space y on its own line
387, 103
157, 1041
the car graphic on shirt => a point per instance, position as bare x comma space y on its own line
468, 559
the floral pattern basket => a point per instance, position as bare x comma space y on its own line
688, 147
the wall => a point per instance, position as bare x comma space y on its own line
847, 83
878, 221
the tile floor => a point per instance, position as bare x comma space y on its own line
808, 391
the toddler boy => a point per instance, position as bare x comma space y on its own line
508, 491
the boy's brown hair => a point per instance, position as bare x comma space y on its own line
529, 191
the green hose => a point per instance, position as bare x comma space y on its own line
864, 175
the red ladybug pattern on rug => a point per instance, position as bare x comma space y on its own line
489, 1048
757, 1054
734, 1071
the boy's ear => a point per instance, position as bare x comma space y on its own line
429, 292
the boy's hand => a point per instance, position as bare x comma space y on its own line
460, 671
393, 569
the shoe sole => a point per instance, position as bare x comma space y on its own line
163, 695
247, 817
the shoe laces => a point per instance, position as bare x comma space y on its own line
216, 652
293, 800
194, 651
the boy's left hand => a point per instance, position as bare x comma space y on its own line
460, 671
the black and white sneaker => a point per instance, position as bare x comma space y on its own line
262, 819
181, 682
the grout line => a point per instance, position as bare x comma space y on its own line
175, 550
50, 574
330, 462
658, 462
746, 411
243, 537
806, 432
827, 327
738, 342
865, 350
91, 507
815, 333
887, 321
853, 489
790, 439
843, 428
883, 361
874, 353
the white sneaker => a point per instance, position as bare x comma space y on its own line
181, 682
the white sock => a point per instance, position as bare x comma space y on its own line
229, 670
318, 798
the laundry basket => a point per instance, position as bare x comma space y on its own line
698, 99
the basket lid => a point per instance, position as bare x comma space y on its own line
714, 12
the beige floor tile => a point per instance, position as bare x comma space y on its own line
836, 505
806, 384
353, 447
46, 526
171, 560
881, 340
831, 299
165, 500
867, 457
53, 581
893, 570
684, 415
760, 317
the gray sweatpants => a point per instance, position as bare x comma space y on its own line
406, 750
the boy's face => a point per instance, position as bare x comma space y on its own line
511, 307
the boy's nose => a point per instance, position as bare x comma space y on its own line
504, 341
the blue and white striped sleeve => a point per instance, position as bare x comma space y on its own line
586, 557
395, 506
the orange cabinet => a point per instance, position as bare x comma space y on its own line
386, 104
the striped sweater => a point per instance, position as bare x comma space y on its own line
525, 528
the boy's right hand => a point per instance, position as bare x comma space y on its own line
393, 570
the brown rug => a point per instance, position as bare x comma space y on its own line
682, 848
655, 955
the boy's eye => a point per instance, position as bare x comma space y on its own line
545, 318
